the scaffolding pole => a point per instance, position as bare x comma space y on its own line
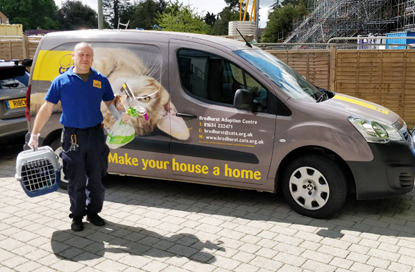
350, 18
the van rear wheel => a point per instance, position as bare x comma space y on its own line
57, 148
314, 186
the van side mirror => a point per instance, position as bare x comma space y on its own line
244, 100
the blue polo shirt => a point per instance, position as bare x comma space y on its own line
81, 101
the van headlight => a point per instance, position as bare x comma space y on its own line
375, 131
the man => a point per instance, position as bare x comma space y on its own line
85, 154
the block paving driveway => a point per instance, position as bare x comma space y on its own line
157, 225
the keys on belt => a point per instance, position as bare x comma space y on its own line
74, 143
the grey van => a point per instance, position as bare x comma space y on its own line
216, 111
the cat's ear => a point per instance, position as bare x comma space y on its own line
104, 61
172, 124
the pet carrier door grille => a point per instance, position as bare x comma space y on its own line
38, 174
38, 171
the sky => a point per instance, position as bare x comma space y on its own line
202, 6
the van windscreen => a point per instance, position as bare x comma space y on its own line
281, 74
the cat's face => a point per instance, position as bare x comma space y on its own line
122, 66
147, 93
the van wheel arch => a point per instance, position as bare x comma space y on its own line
52, 137
314, 151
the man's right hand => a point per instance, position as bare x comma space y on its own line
34, 141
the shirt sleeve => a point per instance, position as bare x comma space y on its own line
53, 94
108, 92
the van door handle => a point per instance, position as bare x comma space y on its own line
186, 115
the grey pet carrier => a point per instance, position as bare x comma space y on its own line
38, 171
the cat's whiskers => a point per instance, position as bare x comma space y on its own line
153, 66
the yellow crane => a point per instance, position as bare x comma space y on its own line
253, 14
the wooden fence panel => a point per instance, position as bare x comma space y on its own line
32, 46
313, 64
385, 77
11, 49
381, 76
18, 48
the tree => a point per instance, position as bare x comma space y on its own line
75, 15
306, 3
232, 4
112, 10
210, 18
142, 15
229, 13
161, 6
39, 14
178, 17
280, 22
309, 4
224, 17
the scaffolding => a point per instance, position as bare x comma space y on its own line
350, 18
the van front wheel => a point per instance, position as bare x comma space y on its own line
314, 186
57, 148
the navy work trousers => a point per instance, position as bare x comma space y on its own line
84, 168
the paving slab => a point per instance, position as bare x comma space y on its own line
155, 225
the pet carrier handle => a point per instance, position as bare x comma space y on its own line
34, 141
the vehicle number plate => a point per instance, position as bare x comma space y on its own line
16, 103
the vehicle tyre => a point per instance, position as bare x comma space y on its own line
314, 186
57, 148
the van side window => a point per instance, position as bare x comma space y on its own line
214, 78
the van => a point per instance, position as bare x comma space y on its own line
217, 111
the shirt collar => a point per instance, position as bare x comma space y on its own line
71, 72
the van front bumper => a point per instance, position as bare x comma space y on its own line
390, 173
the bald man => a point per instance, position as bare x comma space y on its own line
85, 155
